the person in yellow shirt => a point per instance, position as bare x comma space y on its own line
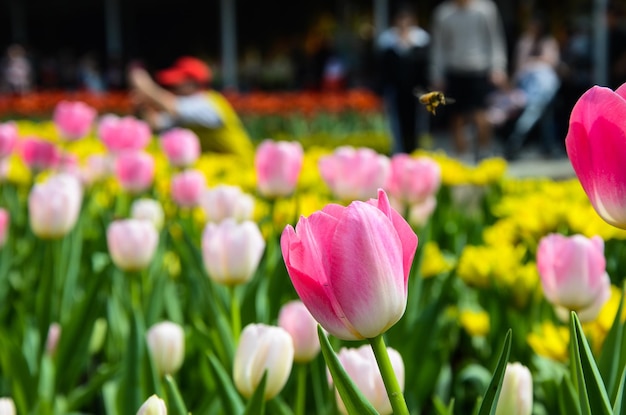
188, 102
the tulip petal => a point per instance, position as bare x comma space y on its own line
366, 269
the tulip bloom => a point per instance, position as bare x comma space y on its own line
8, 138
166, 342
278, 165
354, 174
132, 243
224, 201
52, 341
39, 154
5, 221
596, 146
54, 206
350, 266
262, 348
73, 119
153, 406
181, 146
573, 274
300, 324
413, 180
360, 364
516, 396
187, 187
148, 209
232, 251
121, 134
135, 171
7, 407
98, 167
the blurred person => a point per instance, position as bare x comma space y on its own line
90, 77
469, 59
403, 64
537, 58
18, 73
188, 103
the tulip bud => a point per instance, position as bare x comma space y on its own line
73, 119
54, 206
573, 275
516, 396
134, 171
121, 134
187, 187
7, 407
232, 251
262, 348
278, 165
300, 324
4, 226
166, 341
360, 364
8, 138
132, 243
413, 179
52, 341
354, 174
153, 406
148, 209
224, 201
181, 146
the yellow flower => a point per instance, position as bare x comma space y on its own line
171, 262
475, 323
433, 261
550, 341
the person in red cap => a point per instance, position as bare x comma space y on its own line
184, 100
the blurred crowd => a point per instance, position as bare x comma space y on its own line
513, 89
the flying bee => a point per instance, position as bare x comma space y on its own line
434, 99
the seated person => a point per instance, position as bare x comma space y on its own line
189, 104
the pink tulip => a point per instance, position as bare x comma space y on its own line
360, 364
419, 213
132, 243
596, 146
134, 171
350, 266
224, 201
4, 226
166, 342
413, 180
8, 138
73, 119
278, 165
54, 206
516, 396
187, 187
120, 134
354, 174
232, 251
181, 146
39, 154
97, 168
300, 324
573, 274
52, 341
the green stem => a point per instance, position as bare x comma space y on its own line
389, 377
301, 389
235, 313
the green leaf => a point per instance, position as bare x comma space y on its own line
619, 408
609, 363
490, 398
441, 407
130, 392
568, 404
589, 378
256, 404
83, 394
175, 400
230, 397
277, 406
353, 399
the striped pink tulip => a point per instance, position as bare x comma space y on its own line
278, 165
354, 173
596, 146
573, 274
126, 133
181, 146
73, 119
350, 266
8, 138
135, 171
